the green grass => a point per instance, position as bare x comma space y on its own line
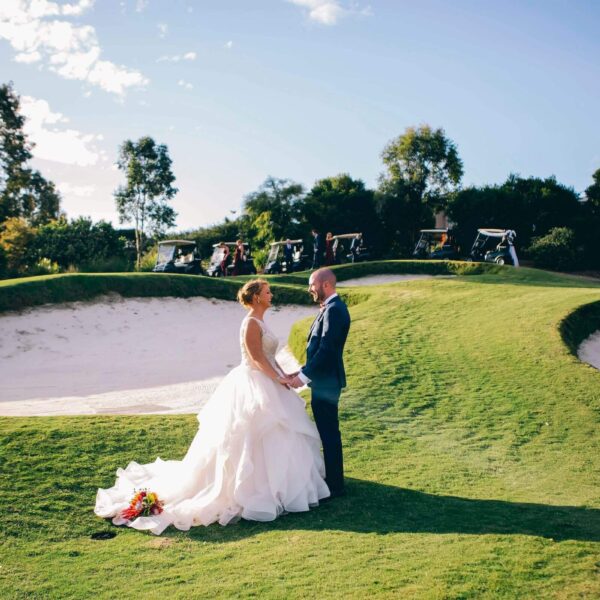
17, 294
471, 447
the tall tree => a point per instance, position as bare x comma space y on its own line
341, 204
273, 209
592, 193
590, 223
143, 200
24, 192
425, 161
422, 171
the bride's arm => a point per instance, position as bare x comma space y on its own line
253, 343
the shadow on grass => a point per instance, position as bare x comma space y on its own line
375, 508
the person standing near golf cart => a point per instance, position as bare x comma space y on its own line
238, 257
355, 247
317, 249
224, 258
329, 257
288, 256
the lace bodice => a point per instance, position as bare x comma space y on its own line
269, 343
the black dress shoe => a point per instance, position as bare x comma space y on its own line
334, 494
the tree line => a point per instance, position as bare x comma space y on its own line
421, 176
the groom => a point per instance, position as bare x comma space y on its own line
324, 372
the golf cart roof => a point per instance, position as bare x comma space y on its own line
493, 232
285, 242
345, 236
178, 242
434, 230
228, 244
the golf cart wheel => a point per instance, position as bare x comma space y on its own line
500, 260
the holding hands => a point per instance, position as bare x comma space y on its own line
291, 380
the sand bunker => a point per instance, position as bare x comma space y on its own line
130, 356
143, 355
589, 351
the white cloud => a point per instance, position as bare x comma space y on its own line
70, 50
79, 191
163, 29
178, 57
185, 84
141, 5
328, 12
229, 45
28, 57
46, 129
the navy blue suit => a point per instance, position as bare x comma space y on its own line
325, 368
318, 250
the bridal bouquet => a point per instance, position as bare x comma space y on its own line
143, 504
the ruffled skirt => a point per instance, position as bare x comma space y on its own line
256, 455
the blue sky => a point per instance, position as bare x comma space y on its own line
301, 89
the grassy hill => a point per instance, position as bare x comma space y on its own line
471, 448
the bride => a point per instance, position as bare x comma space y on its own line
255, 456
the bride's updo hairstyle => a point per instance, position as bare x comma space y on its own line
250, 289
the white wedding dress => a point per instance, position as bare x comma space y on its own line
255, 456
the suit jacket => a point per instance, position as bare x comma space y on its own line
325, 346
318, 243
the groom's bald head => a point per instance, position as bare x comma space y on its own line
325, 275
321, 284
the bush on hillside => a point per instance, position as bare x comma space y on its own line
149, 259
80, 243
16, 237
44, 266
557, 250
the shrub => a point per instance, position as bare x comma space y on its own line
149, 259
44, 266
80, 243
3, 267
16, 237
111, 264
260, 258
557, 250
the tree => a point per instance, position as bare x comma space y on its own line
24, 192
425, 161
590, 223
341, 204
592, 193
423, 170
273, 210
143, 200
531, 206
81, 244
16, 236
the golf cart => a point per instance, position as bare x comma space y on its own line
277, 263
215, 268
495, 246
436, 244
178, 256
349, 247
